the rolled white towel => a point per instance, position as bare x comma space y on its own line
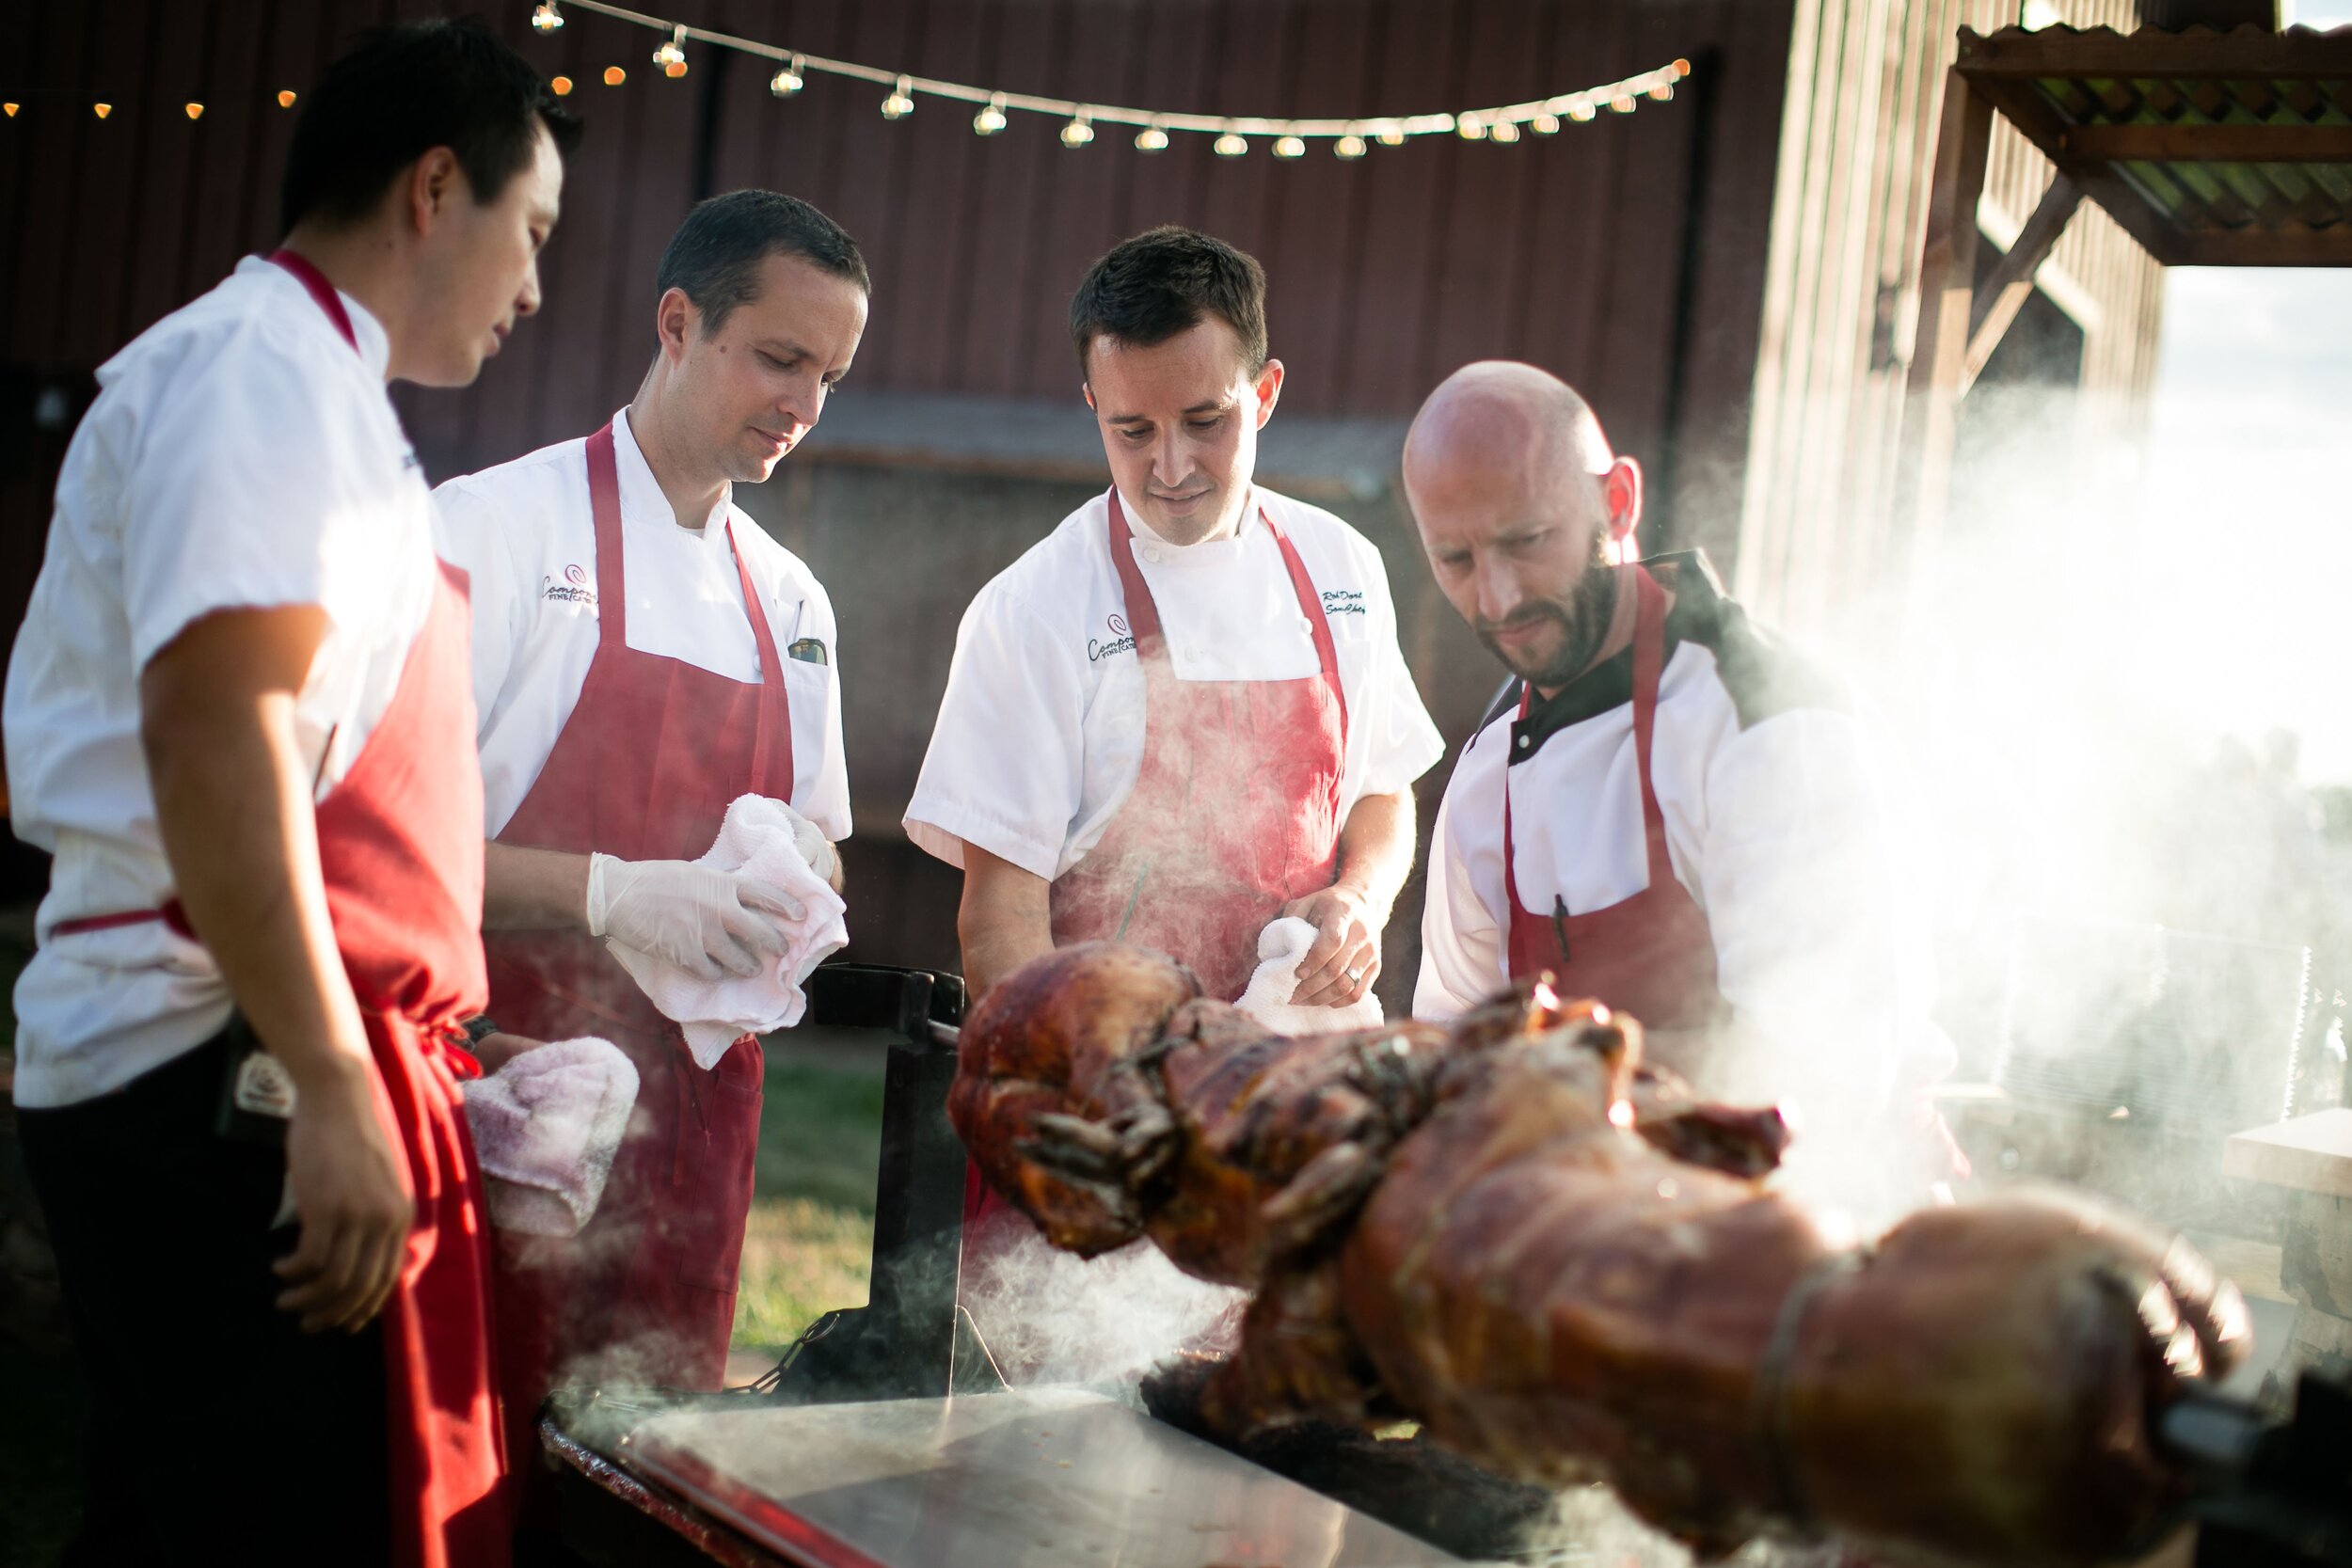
545, 1128
1280, 947
760, 839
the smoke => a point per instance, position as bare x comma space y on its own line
2114, 680
1052, 1317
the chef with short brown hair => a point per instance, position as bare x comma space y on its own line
644, 655
1184, 712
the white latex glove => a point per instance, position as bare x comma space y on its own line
814, 846
709, 923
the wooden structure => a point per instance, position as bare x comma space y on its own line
2208, 149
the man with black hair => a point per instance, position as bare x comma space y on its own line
1184, 713
237, 717
643, 654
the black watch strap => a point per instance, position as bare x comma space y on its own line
479, 1028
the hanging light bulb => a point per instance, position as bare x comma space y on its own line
1349, 147
560, 86
1622, 104
1150, 139
901, 102
102, 110
194, 110
1231, 145
991, 119
1289, 147
1505, 131
1470, 128
784, 83
614, 76
10, 109
546, 17
1078, 131
1392, 135
671, 56
1680, 69
286, 99
1581, 110
1544, 126
1663, 91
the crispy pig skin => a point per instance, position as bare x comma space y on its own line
1061, 1035
1568, 1269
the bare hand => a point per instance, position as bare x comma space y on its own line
495, 1050
352, 1198
1345, 960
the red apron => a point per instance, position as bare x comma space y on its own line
653, 755
1652, 955
399, 852
1198, 872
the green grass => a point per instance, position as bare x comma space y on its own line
806, 1247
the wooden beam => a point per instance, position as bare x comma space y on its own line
1948, 265
2013, 54
2003, 292
2210, 144
2026, 109
2267, 247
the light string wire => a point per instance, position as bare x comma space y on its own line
1501, 122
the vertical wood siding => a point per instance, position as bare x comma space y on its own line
1625, 254
1864, 93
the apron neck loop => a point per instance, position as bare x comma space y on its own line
604, 507
320, 290
772, 713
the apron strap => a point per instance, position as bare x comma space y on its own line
604, 507
1318, 623
1143, 613
321, 290
774, 713
1649, 662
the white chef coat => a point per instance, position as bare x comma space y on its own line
1040, 736
1782, 822
239, 455
525, 532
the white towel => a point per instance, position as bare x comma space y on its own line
545, 1127
1280, 947
758, 839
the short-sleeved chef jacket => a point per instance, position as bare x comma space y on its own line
525, 532
1784, 822
1040, 736
239, 455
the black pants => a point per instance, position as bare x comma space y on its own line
218, 1431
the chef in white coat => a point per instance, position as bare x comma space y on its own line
1184, 712
1669, 808
643, 654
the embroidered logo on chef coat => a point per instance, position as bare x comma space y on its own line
574, 588
1123, 640
1342, 601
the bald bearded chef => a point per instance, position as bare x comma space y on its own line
1181, 713
1667, 809
643, 654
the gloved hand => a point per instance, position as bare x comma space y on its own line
711, 923
815, 848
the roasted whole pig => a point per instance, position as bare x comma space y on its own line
1567, 1270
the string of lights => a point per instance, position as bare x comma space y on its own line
1234, 133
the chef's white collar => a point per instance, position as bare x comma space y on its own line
641, 493
375, 343
1137, 528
